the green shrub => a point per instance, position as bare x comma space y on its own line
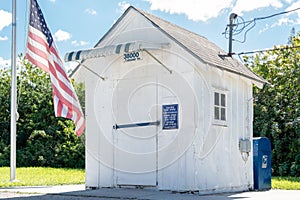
42, 139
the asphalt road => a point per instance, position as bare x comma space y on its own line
78, 192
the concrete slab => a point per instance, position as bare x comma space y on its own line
45, 189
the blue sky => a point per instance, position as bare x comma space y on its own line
79, 24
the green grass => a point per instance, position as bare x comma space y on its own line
41, 176
286, 183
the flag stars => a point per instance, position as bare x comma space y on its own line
37, 21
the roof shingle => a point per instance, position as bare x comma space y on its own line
201, 47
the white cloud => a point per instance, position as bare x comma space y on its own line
123, 5
283, 21
79, 43
4, 63
61, 35
267, 27
286, 20
242, 6
5, 19
195, 10
3, 38
202, 10
90, 11
52, 1
292, 7
280, 22
289, 1
70, 65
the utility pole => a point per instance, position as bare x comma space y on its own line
231, 25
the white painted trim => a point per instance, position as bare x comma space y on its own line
215, 121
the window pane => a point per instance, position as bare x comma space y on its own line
217, 113
223, 114
217, 101
223, 100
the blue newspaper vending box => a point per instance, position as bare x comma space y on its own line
262, 170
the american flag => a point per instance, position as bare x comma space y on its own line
42, 52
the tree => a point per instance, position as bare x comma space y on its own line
277, 105
42, 139
4, 116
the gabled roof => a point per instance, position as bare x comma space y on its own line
198, 46
201, 48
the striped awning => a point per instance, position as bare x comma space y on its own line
113, 50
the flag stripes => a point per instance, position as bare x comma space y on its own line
36, 49
42, 52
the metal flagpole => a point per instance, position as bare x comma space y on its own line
13, 106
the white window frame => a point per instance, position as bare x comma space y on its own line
220, 108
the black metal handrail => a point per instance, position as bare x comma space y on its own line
155, 123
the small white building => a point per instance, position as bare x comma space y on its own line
165, 108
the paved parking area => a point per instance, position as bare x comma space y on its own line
78, 192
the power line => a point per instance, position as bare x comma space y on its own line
266, 50
250, 23
270, 16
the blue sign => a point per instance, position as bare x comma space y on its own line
170, 116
